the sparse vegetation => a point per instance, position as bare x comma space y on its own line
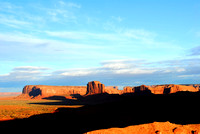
12, 109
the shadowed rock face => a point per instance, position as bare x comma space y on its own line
95, 87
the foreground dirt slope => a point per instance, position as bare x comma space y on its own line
152, 128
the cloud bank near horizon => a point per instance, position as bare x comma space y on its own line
129, 72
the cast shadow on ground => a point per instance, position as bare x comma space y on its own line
115, 111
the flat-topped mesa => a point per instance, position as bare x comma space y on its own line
95, 87
161, 89
45, 91
171, 88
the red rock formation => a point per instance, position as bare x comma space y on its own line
128, 90
27, 89
95, 87
138, 89
112, 90
161, 89
171, 88
44, 91
141, 88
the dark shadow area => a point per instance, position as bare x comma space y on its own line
55, 98
167, 90
77, 96
35, 92
114, 111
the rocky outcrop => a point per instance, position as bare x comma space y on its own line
138, 89
128, 90
112, 90
44, 90
160, 89
95, 87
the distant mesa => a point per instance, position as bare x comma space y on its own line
46, 91
96, 87
161, 89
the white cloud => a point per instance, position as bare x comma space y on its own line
189, 76
27, 73
135, 71
115, 65
77, 73
126, 71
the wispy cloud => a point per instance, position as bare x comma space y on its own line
69, 4
19, 17
13, 22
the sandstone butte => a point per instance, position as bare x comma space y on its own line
96, 87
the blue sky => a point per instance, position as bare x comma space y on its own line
120, 43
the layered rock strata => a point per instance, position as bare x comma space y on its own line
95, 87
44, 90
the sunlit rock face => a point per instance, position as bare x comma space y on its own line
44, 90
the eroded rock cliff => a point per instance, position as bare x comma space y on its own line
44, 90
95, 87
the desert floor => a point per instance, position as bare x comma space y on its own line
104, 114
13, 108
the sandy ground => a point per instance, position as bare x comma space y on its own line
12, 108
